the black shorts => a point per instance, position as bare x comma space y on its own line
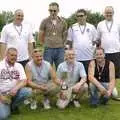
115, 58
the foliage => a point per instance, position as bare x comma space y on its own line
5, 18
92, 18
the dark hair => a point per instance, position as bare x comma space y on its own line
82, 10
54, 4
99, 48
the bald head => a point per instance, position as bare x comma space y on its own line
18, 17
108, 13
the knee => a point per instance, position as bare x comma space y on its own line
26, 92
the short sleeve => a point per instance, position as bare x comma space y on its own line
4, 35
42, 25
70, 34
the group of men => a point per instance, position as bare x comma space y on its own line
82, 66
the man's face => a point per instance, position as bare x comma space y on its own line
81, 17
11, 56
70, 55
37, 57
53, 11
108, 14
99, 55
19, 16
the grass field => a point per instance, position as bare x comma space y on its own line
108, 112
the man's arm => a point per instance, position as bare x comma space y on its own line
41, 36
69, 41
2, 50
112, 78
53, 76
93, 80
30, 49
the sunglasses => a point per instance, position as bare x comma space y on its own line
80, 15
53, 11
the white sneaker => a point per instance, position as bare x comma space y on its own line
33, 105
46, 104
27, 101
76, 103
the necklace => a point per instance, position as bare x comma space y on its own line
109, 27
100, 70
82, 30
54, 22
18, 31
39, 69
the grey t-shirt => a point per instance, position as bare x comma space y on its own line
71, 73
40, 74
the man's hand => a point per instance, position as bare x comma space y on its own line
43, 87
103, 91
13, 91
109, 93
5, 99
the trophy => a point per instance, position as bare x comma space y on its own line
64, 78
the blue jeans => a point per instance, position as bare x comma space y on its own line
21, 95
95, 98
54, 55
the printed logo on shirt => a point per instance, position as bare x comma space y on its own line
5, 74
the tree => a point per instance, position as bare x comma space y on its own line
5, 18
92, 18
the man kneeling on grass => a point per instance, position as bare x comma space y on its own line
12, 82
101, 75
42, 78
70, 72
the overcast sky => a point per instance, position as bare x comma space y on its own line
36, 10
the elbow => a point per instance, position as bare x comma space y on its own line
90, 78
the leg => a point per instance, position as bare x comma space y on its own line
104, 98
21, 95
4, 111
59, 56
94, 98
48, 55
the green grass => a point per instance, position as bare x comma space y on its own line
108, 112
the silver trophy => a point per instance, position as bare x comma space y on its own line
64, 78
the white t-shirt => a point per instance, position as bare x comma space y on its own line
110, 38
82, 42
10, 75
18, 37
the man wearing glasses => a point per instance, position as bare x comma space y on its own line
53, 35
82, 36
109, 36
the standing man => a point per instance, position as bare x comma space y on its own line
82, 36
101, 75
53, 35
18, 35
109, 34
12, 81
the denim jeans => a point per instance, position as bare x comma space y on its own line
21, 95
54, 55
95, 98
